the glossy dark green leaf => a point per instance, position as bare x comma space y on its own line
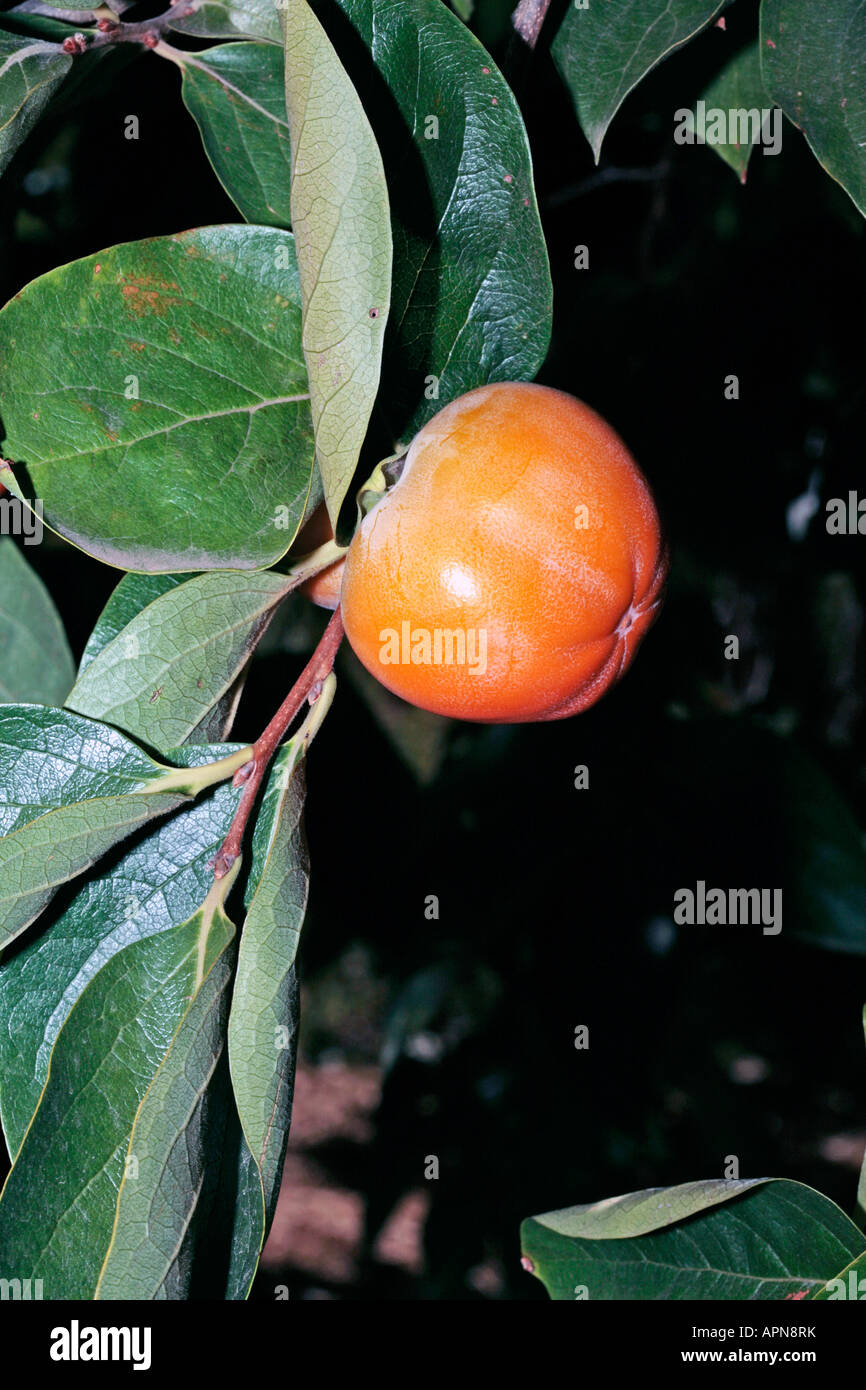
30, 73
73, 788
767, 1239
102, 1064
50, 758
235, 94
471, 300
813, 63
848, 1283
178, 658
165, 424
21, 20
229, 19
738, 87
36, 664
861, 1186
339, 206
604, 51
157, 1215
150, 887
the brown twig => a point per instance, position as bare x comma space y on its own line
110, 28
147, 31
528, 19
306, 687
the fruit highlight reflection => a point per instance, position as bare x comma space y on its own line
513, 570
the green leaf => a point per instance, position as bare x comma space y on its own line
40, 857
30, 74
264, 1014
36, 664
158, 1215
235, 95
80, 12
176, 659
339, 204
263, 1024
472, 299
639, 1213
22, 21
212, 467
156, 883
102, 1066
132, 594
218, 722
762, 1239
229, 19
738, 87
50, 758
74, 788
604, 51
264, 1018
861, 1186
846, 1284
227, 1254
813, 63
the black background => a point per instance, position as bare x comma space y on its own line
556, 904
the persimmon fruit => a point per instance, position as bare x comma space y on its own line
513, 569
324, 587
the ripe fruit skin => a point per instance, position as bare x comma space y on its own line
324, 588
484, 534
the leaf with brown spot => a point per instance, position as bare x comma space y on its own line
193, 452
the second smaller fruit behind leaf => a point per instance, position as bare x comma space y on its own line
324, 588
511, 572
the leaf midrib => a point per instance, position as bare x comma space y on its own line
178, 424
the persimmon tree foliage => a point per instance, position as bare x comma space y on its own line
178, 408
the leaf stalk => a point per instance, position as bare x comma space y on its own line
312, 685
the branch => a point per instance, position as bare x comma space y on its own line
110, 28
528, 19
308, 687
147, 31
